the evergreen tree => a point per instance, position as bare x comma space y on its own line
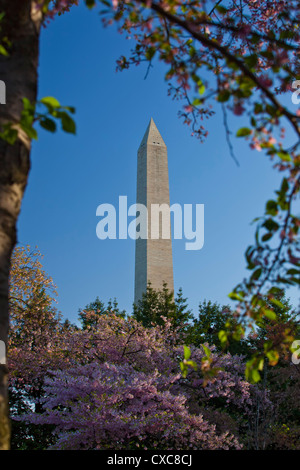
272, 329
89, 316
156, 305
213, 318
113, 307
183, 314
147, 309
68, 326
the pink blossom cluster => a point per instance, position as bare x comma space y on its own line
52, 8
108, 406
119, 386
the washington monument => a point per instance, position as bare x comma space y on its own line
153, 257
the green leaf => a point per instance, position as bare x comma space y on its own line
293, 272
223, 96
206, 350
252, 370
222, 337
275, 291
48, 124
71, 109
197, 102
271, 110
235, 296
186, 352
256, 274
201, 89
273, 357
287, 34
270, 314
260, 364
254, 376
243, 131
239, 332
3, 51
271, 225
255, 38
192, 51
184, 369
68, 123
276, 301
184, 366
221, 9
284, 186
272, 207
251, 60
50, 101
150, 52
284, 156
192, 364
267, 237
258, 108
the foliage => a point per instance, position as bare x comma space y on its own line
158, 305
90, 315
31, 300
273, 330
182, 315
52, 111
4, 41
284, 384
212, 318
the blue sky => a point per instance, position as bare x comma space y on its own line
71, 176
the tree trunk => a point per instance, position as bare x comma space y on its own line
21, 25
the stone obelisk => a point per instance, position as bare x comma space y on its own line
153, 256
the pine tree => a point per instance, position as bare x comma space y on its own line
157, 305
183, 314
89, 316
113, 307
213, 318
147, 310
272, 330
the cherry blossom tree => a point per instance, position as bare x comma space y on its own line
119, 386
149, 396
109, 406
